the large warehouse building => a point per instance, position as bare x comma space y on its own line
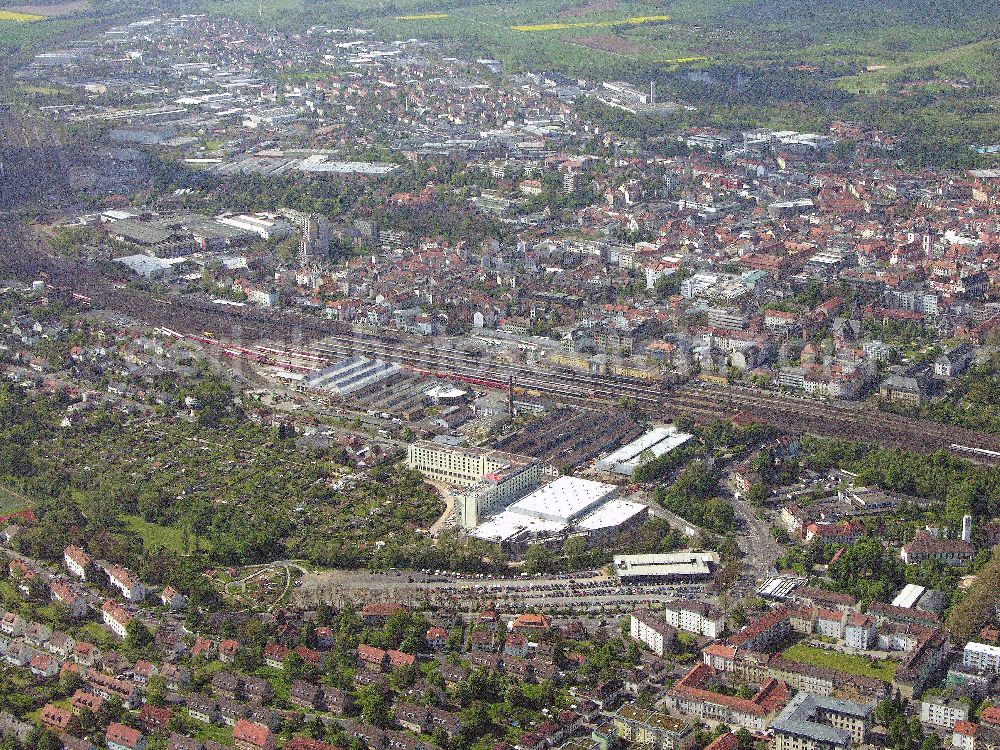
566, 506
354, 375
657, 442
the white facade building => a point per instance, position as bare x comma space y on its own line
655, 633
981, 656
695, 617
943, 713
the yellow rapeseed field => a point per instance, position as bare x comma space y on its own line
10, 15
422, 17
683, 60
631, 21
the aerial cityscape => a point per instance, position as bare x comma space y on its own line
528, 375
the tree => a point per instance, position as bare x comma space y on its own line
538, 559
43, 739
374, 706
138, 637
757, 494
574, 550
403, 676
293, 665
866, 571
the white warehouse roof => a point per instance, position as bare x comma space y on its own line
908, 596
564, 500
655, 443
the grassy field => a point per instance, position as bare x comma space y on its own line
12, 500
25, 34
856, 665
156, 536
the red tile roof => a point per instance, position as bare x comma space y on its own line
257, 735
123, 735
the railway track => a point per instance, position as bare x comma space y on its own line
329, 339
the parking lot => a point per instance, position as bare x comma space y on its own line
592, 592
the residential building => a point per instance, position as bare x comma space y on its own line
811, 722
78, 562
115, 618
651, 729
121, 737
251, 736
652, 631
127, 583
695, 617
941, 712
952, 552
981, 656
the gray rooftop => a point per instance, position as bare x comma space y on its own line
798, 718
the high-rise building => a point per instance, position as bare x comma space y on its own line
315, 240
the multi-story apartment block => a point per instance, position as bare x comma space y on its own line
652, 729
812, 722
654, 632
695, 617
491, 479
941, 712
981, 656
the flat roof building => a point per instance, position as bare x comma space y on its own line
666, 566
565, 506
352, 375
657, 442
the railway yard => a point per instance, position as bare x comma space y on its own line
234, 329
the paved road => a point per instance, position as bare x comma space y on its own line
756, 540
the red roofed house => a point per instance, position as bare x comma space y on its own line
57, 719
436, 638
121, 737
78, 562
400, 659
228, 649
75, 604
43, 665
764, 632
154, 718
84, 701
372, 657
274, 655
172, 598
845, 532
963, 735
116, 618
693, 696
127, 583
250, 736
378, 613
531, 623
